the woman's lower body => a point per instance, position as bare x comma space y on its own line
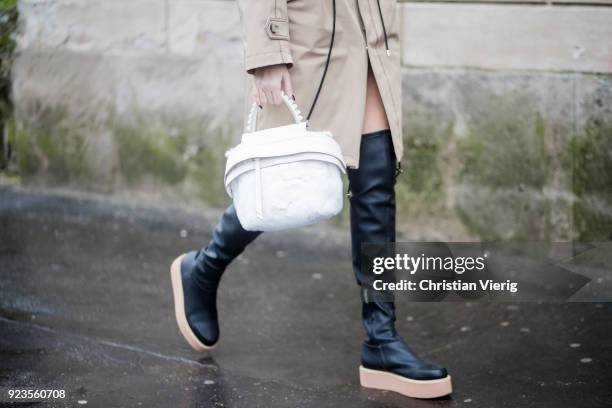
387, 362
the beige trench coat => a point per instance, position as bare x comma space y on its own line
298, 33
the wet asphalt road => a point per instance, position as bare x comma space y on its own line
85, 306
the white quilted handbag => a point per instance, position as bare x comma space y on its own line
284, 177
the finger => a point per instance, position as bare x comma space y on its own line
261, 96
270, 97
287, 85
278, 98
255, 95
265, 99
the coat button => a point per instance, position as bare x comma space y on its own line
274, 27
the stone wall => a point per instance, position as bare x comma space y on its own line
508, 127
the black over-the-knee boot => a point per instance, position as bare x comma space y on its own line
195, 279
386, 361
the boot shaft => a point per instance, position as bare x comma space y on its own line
372, 204
228, 241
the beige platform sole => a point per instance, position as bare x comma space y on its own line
179, 308
382, 380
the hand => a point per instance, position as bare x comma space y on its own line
268, 83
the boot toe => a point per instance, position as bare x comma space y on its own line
206, 332
200, 304
396, 357
420, 371
195, 307
429, 372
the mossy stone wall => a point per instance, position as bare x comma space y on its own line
8, 26
178, 156
511, 156
488, 156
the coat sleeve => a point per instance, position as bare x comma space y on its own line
265, 29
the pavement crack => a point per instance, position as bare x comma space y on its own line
107, 343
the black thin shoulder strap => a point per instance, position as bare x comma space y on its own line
331, 46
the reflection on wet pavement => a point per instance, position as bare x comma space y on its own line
86, 306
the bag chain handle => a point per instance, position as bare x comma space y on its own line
251, 124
